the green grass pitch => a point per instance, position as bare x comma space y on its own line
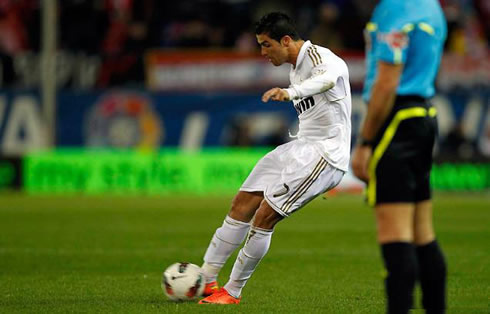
107, 254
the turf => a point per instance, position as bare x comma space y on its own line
107, 254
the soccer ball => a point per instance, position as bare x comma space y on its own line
183, 281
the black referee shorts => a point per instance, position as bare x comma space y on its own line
402, 156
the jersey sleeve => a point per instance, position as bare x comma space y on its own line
324, 76
393, 40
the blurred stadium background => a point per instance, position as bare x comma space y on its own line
158, 79
101, 99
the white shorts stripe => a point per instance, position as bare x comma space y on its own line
304, 187
289, 209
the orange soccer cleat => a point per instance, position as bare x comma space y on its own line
220, 297
210, 288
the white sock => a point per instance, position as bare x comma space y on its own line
225, 240
248, 258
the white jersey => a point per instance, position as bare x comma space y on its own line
320, 91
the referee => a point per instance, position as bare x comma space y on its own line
404, 44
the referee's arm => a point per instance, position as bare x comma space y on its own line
382, 98
380, 104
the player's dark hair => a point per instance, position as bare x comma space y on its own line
276, 25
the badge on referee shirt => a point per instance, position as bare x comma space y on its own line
395, 39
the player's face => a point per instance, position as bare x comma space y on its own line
273, 50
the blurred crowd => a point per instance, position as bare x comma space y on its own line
111, 27
119, 31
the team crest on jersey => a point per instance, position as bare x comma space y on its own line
395, 39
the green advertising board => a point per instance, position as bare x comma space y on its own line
219, 171
170, 171
461, 176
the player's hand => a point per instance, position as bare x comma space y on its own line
275, 94
360, 162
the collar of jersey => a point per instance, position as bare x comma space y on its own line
302, 52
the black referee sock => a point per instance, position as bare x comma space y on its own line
401, 263
432, 267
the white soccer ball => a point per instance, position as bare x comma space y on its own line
183, 281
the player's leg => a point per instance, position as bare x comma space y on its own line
432, 265
392, 189
255, 248
395, 222
244, 205
230, 235
422, 223
237, 223
281, 199
395, 236
290, 176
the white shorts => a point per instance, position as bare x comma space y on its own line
292, 175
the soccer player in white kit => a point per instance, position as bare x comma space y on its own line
294, 173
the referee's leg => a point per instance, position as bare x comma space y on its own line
395, 235
431, 262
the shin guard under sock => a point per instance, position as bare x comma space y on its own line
224, 242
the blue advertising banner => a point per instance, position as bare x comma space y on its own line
137, 119
151, 120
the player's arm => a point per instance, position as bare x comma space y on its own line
321, 81
382, 98
381, 102
276, 93
391, 51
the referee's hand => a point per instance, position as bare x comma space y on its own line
360, 162
275, 93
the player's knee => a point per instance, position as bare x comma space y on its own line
388, 232
394, 224
423, 228
266, 217
241, 210
423, 236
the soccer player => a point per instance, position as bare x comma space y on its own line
404, 43
294, 173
